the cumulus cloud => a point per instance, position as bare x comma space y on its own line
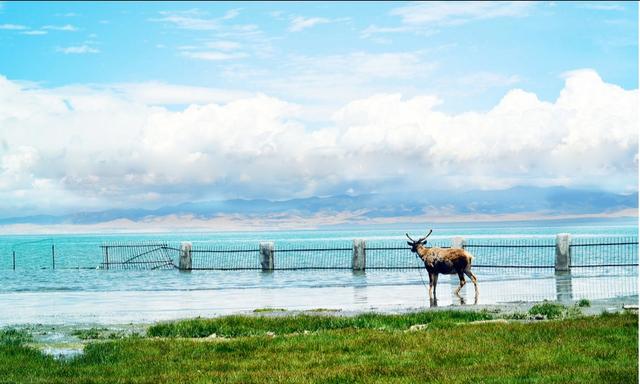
80, 147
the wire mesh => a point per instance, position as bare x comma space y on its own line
396, 254
512, 253
236, 256
35, 253
313, 255
138, 255
589, 255
604, 252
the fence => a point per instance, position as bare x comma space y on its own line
28, 248
560, 254
144, 255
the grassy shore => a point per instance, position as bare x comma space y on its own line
437, 346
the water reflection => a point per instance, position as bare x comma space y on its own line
564, 291
116, 307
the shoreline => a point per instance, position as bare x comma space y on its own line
66, 341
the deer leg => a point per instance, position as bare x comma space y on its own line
435, 283
474, 280
462, 283
431, 286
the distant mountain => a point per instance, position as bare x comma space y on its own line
553, 200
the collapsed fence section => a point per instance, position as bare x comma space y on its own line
137, 255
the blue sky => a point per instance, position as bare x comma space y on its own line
531, 46
115, 105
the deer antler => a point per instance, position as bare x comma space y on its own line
425, 238
409, 237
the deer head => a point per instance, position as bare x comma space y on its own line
415, 243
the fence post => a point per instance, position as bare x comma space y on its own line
184, 263
359, 260
458, 242
53, 256
563, 252
14, 260
266, 255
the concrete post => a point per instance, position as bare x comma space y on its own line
266, 256
359, 260
185, 256
458, 242
564, 287
563, 252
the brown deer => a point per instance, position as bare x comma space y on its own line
443, 260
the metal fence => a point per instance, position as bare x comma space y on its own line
586, 255
316, 255
513, 253
607, 252
533, 253
140, 255
396, 254
225, 257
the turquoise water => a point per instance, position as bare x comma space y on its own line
76, 292
77, 256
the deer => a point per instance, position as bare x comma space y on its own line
443, 260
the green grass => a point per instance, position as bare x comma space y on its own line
89, 334
583, 303
268, 310
9, 337
100, 334
235, 326
602, 349
548, 309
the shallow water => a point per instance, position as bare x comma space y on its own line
118, 307
30, 294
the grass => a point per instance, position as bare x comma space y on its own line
586, 349
14, 337
100, 334
235, 326
269, 310
548, 309
583, 303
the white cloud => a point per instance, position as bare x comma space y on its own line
157, 93
374, 29
231, 14
66, 27
34, 32
299, 23
78, 49
455, 13
15, 27
340, 78
190, 19
603, 6
81, 147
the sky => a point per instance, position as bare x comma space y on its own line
123, 105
